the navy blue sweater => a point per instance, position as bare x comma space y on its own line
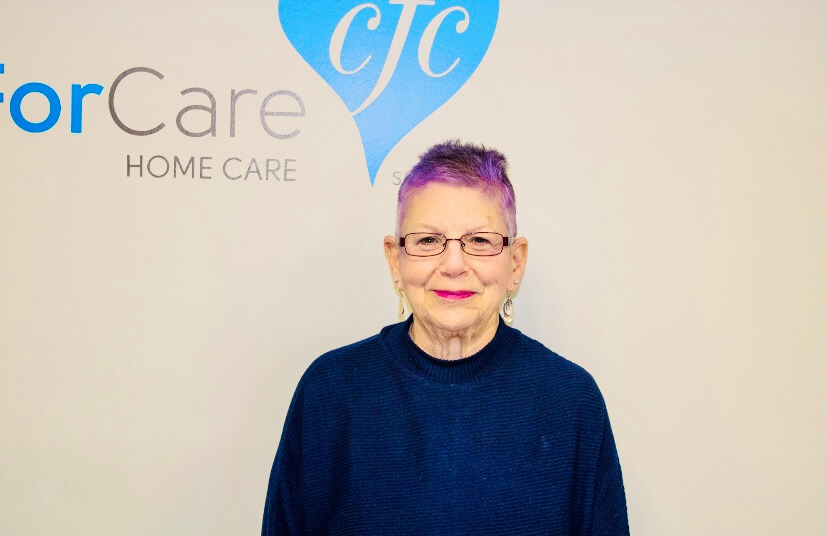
382, 438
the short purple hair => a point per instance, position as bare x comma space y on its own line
461, 164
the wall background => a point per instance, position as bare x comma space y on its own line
670, 166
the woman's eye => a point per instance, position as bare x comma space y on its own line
427, 240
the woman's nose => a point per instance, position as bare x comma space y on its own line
454, 259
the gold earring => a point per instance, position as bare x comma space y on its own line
401, 309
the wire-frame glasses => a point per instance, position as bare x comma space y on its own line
432, 244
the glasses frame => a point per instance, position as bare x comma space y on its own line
506, 241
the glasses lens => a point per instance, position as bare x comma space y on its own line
424, 244
482, 243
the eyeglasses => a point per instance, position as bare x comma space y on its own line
432, 244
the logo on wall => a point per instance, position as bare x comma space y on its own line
392, 63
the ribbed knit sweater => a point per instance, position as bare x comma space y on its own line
383, 439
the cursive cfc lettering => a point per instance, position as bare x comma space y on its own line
398, 41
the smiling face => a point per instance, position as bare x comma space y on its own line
455, 294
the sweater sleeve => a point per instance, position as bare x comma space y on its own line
609, 506
283, 505
599, 506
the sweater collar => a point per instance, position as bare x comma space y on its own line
463, 370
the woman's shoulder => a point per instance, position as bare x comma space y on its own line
357, 359
549, 366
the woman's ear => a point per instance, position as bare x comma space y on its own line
392, 255
520, 251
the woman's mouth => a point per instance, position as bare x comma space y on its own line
454, 294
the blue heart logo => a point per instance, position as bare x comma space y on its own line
392, 62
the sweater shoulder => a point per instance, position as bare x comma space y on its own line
551, 366
341, 363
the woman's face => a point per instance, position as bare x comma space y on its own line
455, 293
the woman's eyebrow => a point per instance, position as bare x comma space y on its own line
481, 228
429, 228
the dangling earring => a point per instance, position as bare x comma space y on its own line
508, 309
401, 312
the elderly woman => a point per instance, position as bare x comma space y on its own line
450, 422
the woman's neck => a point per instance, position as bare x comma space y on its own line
452, 345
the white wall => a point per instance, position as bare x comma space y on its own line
670, 166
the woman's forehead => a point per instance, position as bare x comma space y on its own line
440, 206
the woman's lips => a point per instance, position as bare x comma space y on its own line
454, 294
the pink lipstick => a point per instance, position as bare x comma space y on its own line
454, 294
